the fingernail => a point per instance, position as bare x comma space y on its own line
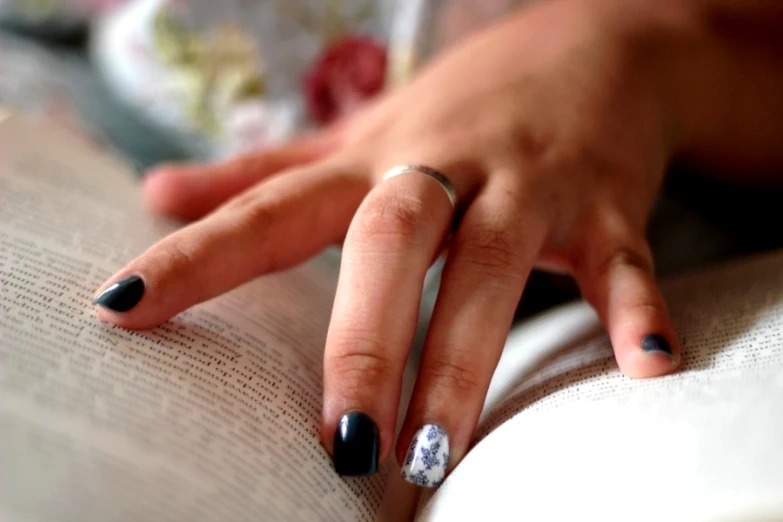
122, 295
655, 343
356, 445
428, 457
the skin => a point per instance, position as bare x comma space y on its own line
556, 126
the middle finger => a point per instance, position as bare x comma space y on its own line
390, 245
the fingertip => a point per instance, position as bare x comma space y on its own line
157, 188
407, 443
651, 355
357, 442
118, 319
356, 445
358, 435
117, 301
166, 188
618, 279
162, 171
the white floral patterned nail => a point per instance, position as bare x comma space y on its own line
428, 456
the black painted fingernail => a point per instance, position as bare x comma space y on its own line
656, 343
356, 445
122, 295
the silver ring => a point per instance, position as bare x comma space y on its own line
443, 181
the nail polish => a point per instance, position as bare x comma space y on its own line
356, 445
428, 457
654, 343
122, 295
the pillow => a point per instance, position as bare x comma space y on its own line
40, 83
243, 74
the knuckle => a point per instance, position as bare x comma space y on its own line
250, 218
401, 218
645, 304
531, 142
258, 215
241, 201
253, 208
180, 253
253, 216
184, 254
358, 365
621, 256
648, 310
180, 259
454, 378
490, 248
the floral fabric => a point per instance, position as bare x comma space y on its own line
241, 75
247, 74
231, 75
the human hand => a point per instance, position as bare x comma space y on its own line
556, 142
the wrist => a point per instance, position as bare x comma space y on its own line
716, 67
660, 40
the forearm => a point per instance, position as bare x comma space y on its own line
719, 63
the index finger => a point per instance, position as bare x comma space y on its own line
276, 225
387, 252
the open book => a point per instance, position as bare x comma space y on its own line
214, 415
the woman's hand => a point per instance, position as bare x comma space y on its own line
555, 137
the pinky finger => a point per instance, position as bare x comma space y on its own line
617, 278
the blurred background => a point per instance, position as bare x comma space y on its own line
161, 80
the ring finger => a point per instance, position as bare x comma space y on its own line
491, 256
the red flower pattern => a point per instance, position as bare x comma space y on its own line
347, 73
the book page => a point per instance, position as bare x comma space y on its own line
564, 436
212, 416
